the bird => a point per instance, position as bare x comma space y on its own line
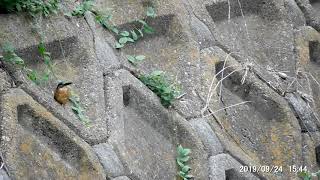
62, 93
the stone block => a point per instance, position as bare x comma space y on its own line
74, 59
223, 166
209, 138
5, 81
258, 125
109, 160
145, 135
37, 145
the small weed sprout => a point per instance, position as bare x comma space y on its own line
32, 7
81, 9
182, 159
306, 175
159, 84
124, 37
135, 34
77, 109
11, 57
105, 21
151, 12
134, 60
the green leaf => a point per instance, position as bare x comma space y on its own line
134, 35
68, 14
180, 163
115, 30
18, 61
186, 168
118, 45
142, 22
123, 40
125, 33
19, 8
182, 174
147, 29
33, 76
131, 59
140, 32
46, 76
185, 152
184, 159
189, 176
41, 49
158, 73
151, 12
140, 57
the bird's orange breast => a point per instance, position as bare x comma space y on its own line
62, 95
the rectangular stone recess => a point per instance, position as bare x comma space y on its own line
314, 50
232, 174
126, 95
149, 146
314, 2
72, 61
161, 25
31, 54
220, 11
49, 135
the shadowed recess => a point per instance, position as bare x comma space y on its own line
161, 24
55, 48
249, 92
232, 174
220, 11
314, 50
49, 135
126, 95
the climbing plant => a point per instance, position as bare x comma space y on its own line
159, 83
81, 9
182, 160
134, 60
135, 34
11, 57
123, 37
77, 108
32, 7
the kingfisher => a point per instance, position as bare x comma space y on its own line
62, 93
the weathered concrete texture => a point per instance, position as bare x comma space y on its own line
265, 127
202, 33
294, 13
121, 178
311, 12
104, 52
223, 166
209, 139
310, 155
257, 35
316, 6
308, 48
3, 175
5, 81
305, 35
172, 43
109, 160
308, 119
145, 135
36, 145
70, 43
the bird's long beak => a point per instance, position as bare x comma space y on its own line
67, 84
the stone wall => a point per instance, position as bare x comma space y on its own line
266, 53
